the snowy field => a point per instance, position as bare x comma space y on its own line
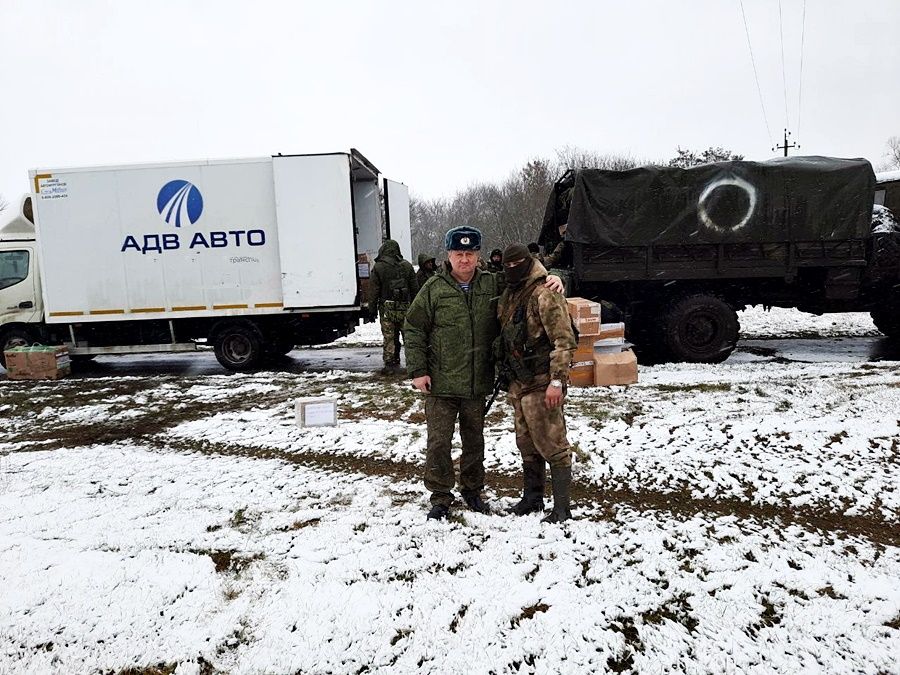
739, 518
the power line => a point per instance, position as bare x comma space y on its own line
787, 118
755, 74
800, 85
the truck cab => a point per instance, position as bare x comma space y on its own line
20, 285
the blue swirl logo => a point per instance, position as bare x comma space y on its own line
179, 200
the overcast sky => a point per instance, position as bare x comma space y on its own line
438, 95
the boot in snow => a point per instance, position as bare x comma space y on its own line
561, 478
533, 477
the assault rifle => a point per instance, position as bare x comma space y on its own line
502, 382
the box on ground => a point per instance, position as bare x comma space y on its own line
316, 411
38, 362
616, 368
581, 373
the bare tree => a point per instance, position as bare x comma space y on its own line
507, 211
3, 203
893, 153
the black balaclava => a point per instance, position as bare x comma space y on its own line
516, 275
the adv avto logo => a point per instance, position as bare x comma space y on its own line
179, 201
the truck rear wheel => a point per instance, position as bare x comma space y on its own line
700, 328
887, 320
238, 345
14, 337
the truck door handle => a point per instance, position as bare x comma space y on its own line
28, 304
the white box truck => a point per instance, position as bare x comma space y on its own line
251, 256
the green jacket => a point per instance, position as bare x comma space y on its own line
449, 334
393, 278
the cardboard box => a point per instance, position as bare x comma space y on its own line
581, 308
587, 326
584, 351
38, 362
581, 373
611, 330
615, 369
316, 411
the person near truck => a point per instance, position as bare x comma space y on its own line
537, 344
559, 251
427, 269
495, 263
449, 333
392, 286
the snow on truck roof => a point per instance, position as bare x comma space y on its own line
887, 176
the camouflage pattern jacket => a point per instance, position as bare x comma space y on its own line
449, 334
547, 323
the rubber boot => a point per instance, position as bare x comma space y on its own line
475, 502
561, 478
533, 478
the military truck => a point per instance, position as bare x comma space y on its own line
681, 251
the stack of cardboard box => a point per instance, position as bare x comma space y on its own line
38, 362
602, 357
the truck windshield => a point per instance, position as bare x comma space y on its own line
13, 268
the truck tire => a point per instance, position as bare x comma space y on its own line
13, 337
887, 319
700, 328
238, 345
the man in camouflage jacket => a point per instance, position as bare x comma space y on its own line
537, 346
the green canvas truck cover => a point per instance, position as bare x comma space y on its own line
785, 199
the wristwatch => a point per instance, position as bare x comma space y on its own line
556, 383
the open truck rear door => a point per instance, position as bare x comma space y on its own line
314, 207
396, 209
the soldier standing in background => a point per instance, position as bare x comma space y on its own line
495, 262
392, 286
427, 269
537, 347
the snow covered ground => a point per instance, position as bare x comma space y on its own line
735, 518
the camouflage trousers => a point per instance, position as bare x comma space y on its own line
540, 433
441, 415
392, 316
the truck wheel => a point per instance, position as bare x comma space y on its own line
14, 337
238, 346
700, 329
887, 320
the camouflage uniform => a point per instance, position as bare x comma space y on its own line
423, 274
392, 286
540, 433
537, 346
449, 333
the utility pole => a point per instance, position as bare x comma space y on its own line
786, 146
